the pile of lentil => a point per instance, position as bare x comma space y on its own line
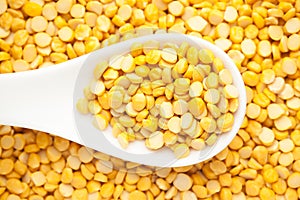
263, 160
174, 96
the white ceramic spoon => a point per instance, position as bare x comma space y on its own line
45, 100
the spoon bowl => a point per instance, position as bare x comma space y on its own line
45, 100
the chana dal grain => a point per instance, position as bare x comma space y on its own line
241, 24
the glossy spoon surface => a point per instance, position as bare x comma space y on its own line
45, 100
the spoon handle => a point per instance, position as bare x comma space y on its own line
41, 99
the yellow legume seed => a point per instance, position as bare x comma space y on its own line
7, 166
275, 32
182, 49
170, 138
225, 122
289, 66
186, 120
231, 91
293, 42
95, 7
215, 17
196, 106
127, 64
39, 24
4, 45
280, 186
230, 14
130, 110
151, 13
20, 37
195, 89
38, 178
29, 53
264, 48
293, 180
135, 79
176, 8
110, 74
212, 96
142, 71
270, 175
103, 23
166, 110
223, 43
174, 124
104, 167
115, 62
158, 91
4, 56
155, 140
211, 139
117, 20
123, 140
213, 110
244, 21
292, 25
139, 101
283, 123
32, 9
107, 190
248, 48
253, 111
66, 34
198, 144
127, 121
181, 66
180, 107
266, 136
192, 55
97, 87
194, 129
100, 69
153, 56
169, 55
136, 49
223, 105
294, 135
206, 56
42, 39
267, 76
236, 34
180, 151
49, 11
196, 23
250, 78
285, 159
14, 186
82, 32
100, 121
225, 77
63, 6
266, 193
277, 85
77, 11
138, 17
286, 145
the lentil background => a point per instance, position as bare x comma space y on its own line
263, 160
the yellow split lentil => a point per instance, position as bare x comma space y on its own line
261, 36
